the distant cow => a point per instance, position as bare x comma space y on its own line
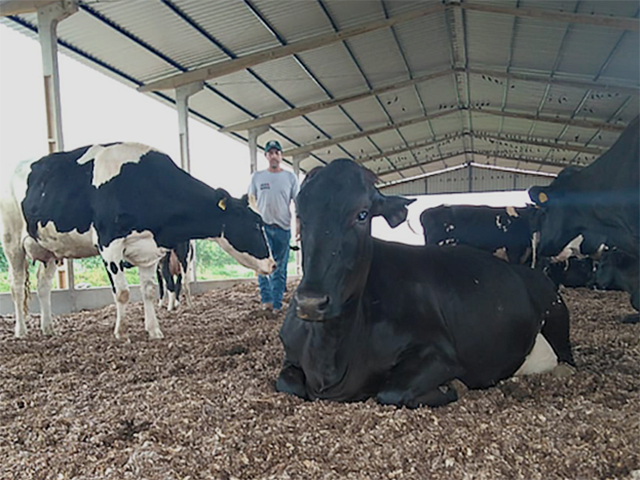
112, 200
573, 272
503, 231
400, 323
619, 271
173, 271
601, 202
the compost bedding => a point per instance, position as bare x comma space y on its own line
201, 404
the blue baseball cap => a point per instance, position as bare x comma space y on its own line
272, 144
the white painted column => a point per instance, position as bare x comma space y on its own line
254, 133
48, 18
298, 255
182, 104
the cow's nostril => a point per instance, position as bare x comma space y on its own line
323, 303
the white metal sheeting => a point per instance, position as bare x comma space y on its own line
528, 72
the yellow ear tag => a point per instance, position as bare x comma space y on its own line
543, 197
223, 204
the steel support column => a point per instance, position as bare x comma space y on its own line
183, 92
254, 133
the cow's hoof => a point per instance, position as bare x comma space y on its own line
631, 319
20, 332
156, 334
563, 370
48, 330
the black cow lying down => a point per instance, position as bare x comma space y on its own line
617, 270
112, 200
399, 322
503, 231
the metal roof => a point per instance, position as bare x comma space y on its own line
404, 87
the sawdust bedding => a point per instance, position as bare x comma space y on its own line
201, 404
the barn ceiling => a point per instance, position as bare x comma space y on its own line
404, 87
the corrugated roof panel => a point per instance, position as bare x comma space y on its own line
379, 58
554, 5
561, 100
333, 66
619, 8
419, 132
487, 92
402, 104
439, 94
516, 126
546, 130
249, 92
625, 62
525, 96
387, 140
425, 43
349, 13
231, 23
485, 123
225, 113
447, 125
536, 44
162, 28
586, 49
487, 36
334, 122
287, 77
366, 113
294, 20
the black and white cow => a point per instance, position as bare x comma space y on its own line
112, 200
400, 323
600, 203
619, 271
173, 271
503, 231
573, 272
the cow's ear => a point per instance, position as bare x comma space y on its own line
392, 208
538, 195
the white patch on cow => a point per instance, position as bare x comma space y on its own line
90, 154
535, 241
501, 253
511, 211
61, 244
141, 249
449, 227
541, 359
571, 249
500, 225
263, 267
109, 161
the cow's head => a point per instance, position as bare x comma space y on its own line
335, 206
557, 219
616, 270
243, 235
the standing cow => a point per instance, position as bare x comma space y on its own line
600, 203
401, 323
503, 231
173, 273
112, 200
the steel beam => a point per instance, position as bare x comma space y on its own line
18, 7
549, 119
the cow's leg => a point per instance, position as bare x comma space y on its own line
46, 271
421, 380
19, 276
160, 283
291, 380
114, 262
148, 296
185, 282
179, 279
556, 331
635, 303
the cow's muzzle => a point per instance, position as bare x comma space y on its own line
311, 307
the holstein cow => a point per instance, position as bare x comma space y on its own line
573, 272
503, 231
619, 271
112, 200
173, 271
401, 323
601, 202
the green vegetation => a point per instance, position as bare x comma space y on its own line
213, 264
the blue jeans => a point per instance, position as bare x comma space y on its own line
272, 286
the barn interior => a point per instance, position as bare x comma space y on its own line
435, 97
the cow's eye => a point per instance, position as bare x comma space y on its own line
362, 216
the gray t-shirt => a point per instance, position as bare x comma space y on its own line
274, 193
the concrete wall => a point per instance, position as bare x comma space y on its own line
66, 301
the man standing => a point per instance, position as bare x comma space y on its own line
271, 191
